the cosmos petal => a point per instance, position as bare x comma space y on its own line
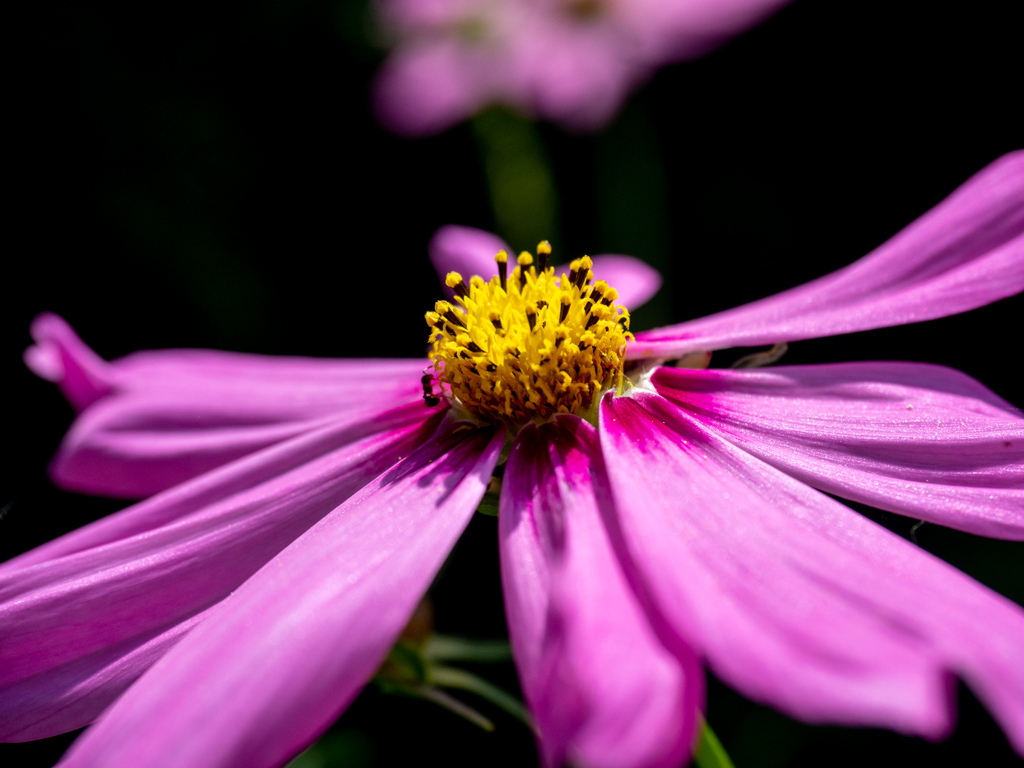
73, 694
794, 599
221, 483
966, 252
154, 419
316, 622
427, 88
580, 78
686, 29
604, 690
466, 250
64, 612
470, 251
635, 280
919, 440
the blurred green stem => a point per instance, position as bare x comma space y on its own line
632, 200
519, 178
450, 677
710, 752
447, 648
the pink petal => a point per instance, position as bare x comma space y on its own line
918, 440
605, 691
58, 355
154, 419
793, 598
579, 74
966, 252
635, 280
470, 251
67, 612
72, 695
225, 481
673, 30
284, 655
466, 250
427, 88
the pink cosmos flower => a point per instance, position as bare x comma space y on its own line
573, 61
298, 509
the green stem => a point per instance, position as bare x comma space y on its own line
710, 752
452, 705
519, 178
466, 681
447, 648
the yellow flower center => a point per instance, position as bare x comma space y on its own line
526, 346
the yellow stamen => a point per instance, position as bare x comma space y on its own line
529, 348
543, 251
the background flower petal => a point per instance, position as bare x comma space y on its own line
154, 419
915, 439
604, 689
60, 617
796, 600
425, 89
317, 622
966, 252
673, 30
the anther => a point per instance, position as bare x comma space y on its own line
574, 269
564, 311
543, 251
525, 260
583, 276
514, 356
455, 282
444, 309
501, 257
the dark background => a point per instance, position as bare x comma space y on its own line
182, 172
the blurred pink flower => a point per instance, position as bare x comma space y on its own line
301, 507
572, 61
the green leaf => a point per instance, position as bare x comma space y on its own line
488, 505
404, 664
710, 752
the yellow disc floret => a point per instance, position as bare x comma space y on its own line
528, 345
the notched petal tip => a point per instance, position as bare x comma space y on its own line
60, 356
